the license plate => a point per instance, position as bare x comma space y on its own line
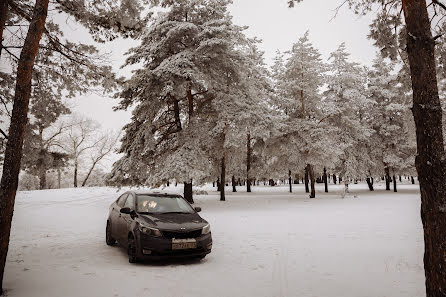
184, 244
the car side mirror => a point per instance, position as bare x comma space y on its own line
133, 214
125, 210
197, 209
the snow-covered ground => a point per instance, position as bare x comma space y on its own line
267, 243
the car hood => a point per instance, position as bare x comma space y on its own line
174, 221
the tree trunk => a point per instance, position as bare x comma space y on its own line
290, 181
75, 174
394, 184
312, 180
307, 189
59, 177
218, 185
188, 195
334, 179
3, 17
412, 180
234, 184
427, 114
13, 152
223, 177
387, 172
400, 179
325, 178
176, 110
370, 183
190, 101
42, 176
248, 162
88, 175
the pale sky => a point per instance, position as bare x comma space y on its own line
273, 22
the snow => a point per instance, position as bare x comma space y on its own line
266, 243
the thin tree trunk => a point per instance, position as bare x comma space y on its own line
307, 188
248, 162
412, 180
325, 178
387, 172
234, 184
75, 174
42, 176
41, 166
223, 177
312, 180
334, 179
296, 179
370, 183
13, 152
427, 114
190, 101
188, 195
290, 181
59, 177
89, 173
176, 110
218, 185
394, 184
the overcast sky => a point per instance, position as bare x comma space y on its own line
278, 26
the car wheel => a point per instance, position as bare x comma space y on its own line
131, 250
108, 236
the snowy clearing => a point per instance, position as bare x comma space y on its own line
267, 243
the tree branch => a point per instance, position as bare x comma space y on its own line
3, 132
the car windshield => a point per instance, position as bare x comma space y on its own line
162, 204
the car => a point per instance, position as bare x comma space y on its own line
157, 225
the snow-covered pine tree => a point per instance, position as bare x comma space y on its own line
189, 63
305, 135
390, 144
345, 104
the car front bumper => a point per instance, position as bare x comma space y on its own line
160, 247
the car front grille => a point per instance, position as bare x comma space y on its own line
182, 235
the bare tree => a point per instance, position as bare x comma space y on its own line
106, 145
80, 138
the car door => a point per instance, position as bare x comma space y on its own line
125, 220
115, 215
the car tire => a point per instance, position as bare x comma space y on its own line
108, 236
131, 250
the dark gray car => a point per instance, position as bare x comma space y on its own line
154, 225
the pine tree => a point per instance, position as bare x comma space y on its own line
345, 103
190, 66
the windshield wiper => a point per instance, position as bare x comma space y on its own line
174, 212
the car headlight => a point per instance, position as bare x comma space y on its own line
150, 231
206, 229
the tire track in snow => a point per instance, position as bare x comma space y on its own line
280, 268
